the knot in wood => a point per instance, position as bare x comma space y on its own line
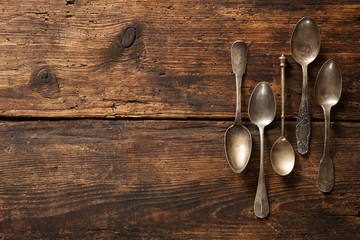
128, 37
46, 77
46, 83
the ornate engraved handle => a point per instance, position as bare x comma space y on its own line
303, 127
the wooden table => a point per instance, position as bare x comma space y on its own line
113, 115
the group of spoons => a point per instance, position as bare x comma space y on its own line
305, 46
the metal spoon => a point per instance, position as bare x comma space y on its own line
282, 154
238, 141
262, 108
305, 46
328, 87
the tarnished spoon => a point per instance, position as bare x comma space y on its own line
238, 141
282, 154
327, 92
305, 46
262, 109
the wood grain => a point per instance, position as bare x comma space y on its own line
156, 175
78, 58
107, 179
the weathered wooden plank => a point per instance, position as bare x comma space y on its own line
70, 59
109, 179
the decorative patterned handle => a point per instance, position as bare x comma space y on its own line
303, 128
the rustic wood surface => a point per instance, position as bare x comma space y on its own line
159, 171
163, 59
87, 179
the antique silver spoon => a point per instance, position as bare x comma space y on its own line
305, 46
262, 109
238, 141
328, 87
282, 154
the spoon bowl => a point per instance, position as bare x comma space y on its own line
328, 84
238, 141
305, 41
262, 106
238, 147
282, 157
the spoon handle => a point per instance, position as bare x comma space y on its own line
282, 65
326, 169
303, 128
261, 204
238, 100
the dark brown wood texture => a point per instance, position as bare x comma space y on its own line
166, 180
149, 174
174, 62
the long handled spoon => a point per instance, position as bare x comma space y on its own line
262, 109
282, 154
238, 142
305, 46
327, 92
